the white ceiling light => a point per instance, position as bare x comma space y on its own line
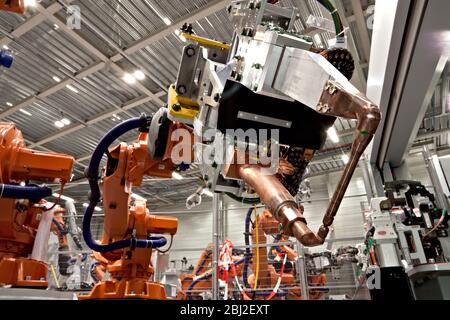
56, 79
56, 195
139, 74
129, 78
208, 192
177, 176
85, 205
5, 47
56, 26
137, 197
71, 88
59, 124
25, 112
9, 104
345, 158
115, 116
66, 121
29, 3
332, 134
167, 21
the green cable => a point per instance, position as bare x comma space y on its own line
336, 17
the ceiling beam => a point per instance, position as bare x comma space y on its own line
30, 23
361, 25
125, 107
203, 12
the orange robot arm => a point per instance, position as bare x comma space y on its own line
127, 242
17, 6
21, 207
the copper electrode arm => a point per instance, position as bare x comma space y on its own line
338, 102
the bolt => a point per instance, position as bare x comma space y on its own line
216, 97
190, 52
176, 107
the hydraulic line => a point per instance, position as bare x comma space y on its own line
19, 192
94, 196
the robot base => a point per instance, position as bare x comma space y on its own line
126, 289
22, 272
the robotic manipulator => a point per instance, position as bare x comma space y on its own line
272, 81
270, 78
26, 220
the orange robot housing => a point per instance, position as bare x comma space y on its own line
21, 207
17, 6
130, 232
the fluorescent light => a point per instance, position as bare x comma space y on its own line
129, 78
85, 205
208, 192
66, 121
137, 197
56, 26
25, 112
332, 134
5, 47
59, 124
29, 3
167, 21
139, 74
9, 104
71, 88
56, 79
56, 195
115, 116
345, 158
177, 176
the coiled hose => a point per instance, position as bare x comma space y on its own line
94, 195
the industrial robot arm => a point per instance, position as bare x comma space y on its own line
130, 231
270, 78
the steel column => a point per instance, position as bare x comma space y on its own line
216, 244
302, 272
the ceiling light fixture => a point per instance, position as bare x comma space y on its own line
56, 195
9, 104
129, 78
59, 124
71, 88
66, 121
139, 74
177, 176
167, 21
56, 79
29, 3
345, 158
332, 134
25, 112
